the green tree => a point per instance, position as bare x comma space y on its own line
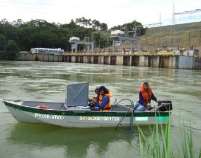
94, 24
128, 27
101, 39
2, 42
40, 33
103, 27
11, 50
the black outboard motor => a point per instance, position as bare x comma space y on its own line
164, 105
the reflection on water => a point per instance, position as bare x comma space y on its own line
47, 81
74, 142
24, 140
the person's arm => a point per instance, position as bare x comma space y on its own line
105, 101
153, 97
141, 99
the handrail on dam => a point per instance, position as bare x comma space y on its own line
124, 53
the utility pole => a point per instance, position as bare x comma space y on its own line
200, 38
173, 24
151, 26
173, 14
134, 40
188, 12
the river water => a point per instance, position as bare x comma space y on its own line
47, 81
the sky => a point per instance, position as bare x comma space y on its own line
112, 12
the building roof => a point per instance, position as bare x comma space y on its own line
117, 32
74, 39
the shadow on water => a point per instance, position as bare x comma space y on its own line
75, 142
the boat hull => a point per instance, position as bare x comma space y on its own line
84, 119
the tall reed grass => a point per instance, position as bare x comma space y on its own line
158, 144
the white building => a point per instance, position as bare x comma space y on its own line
55, 51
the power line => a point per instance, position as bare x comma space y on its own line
188, 12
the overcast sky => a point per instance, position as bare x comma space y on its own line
113, 12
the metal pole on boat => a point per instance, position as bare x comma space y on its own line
130, 110
131, 120
120, 121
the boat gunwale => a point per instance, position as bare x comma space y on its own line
85, 113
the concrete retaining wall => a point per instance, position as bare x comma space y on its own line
197, 63
181, 62
185, 62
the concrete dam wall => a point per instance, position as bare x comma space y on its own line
160, 61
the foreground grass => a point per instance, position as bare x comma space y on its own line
158, 144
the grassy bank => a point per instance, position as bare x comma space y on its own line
181, 35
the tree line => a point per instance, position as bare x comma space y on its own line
18, 35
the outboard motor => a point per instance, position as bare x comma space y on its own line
164, 105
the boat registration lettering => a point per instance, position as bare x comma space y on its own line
47, 116
95, 118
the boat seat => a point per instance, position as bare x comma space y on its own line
50, 105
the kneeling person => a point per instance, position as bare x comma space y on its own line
145, 97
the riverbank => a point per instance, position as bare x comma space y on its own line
141, 59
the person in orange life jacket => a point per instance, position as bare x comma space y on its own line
103, 102
145, 97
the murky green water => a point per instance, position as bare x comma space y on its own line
47, 81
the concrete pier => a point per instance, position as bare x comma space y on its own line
197, 63
119, 60
73, 59
135, 61
106, 60
127, 60
95, 60
143, 61
160, 61
153, 61
185, 62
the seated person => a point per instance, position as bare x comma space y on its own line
103, 102
94, 100
145, 97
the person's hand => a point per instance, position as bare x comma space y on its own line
130, 110
94, 100
89, 100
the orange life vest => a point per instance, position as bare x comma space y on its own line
108, 106
147, 94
